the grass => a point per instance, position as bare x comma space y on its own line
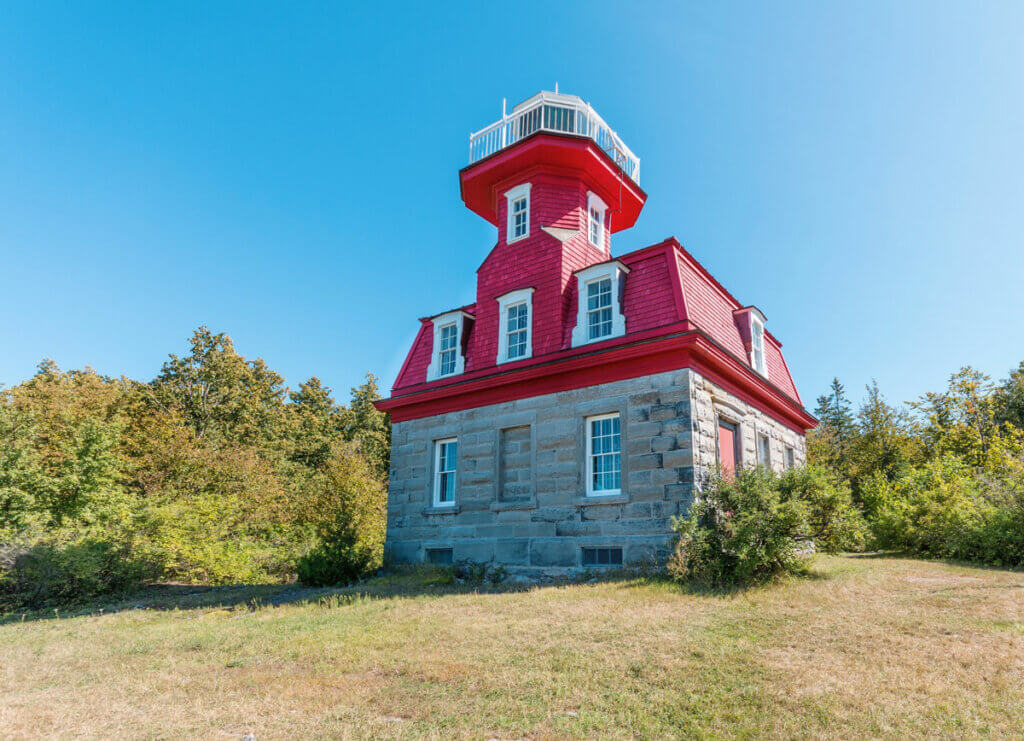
876, 647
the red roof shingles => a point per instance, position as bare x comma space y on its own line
665, 284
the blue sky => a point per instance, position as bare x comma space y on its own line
288, 173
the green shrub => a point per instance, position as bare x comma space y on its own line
739, 532
49, 573
946, 509
347, 507
835, 523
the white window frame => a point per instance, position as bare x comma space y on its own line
590, 455
594, 203
767, 462
616, 272
758, 359
454, 471
790, 457
458, 318
511, 196
505, 302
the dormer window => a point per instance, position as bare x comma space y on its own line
757, 359
599, 303
515, 312
595, 220
449, 349
447, 358
599, 308
518, 226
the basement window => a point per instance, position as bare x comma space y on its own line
439, 556
602, 556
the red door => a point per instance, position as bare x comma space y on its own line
727, 448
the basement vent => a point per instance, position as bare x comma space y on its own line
440, 556
602, 556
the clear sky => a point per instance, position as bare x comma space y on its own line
287, 173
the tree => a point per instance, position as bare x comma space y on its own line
218, 393
1009, 399
886, 441
829, 443
369, 427
961, 420
317, 422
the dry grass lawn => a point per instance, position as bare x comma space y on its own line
868, 647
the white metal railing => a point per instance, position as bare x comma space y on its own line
547, 111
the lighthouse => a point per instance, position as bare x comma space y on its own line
560, 421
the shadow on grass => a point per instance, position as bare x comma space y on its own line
400, 582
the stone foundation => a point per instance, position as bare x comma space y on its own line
521, 497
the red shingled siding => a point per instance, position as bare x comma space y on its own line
648, 300
709, 309
539, 261
778, 373
415, 369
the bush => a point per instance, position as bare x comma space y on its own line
946, 509
49, 573
739, 532
835, 522
347, 507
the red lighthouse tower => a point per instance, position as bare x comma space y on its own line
557, 181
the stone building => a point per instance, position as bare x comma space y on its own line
560, 421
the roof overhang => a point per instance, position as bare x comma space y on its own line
482, 183
674, 347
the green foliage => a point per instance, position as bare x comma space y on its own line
947, 482
53, 571
210, 473
346, 507
947, 509
834, 522
741, 531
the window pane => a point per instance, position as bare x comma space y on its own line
605, 461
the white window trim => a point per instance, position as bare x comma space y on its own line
759, 436
506, 301
757, 322
511, 195
617, 272
458, 318
437, 472
590, 458
594, 201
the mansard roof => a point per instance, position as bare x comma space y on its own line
669, 301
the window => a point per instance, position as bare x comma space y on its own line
602, 556
599, 308
790, 458
728, 433
764, 457
445, 457
595, 220
518, 318
757, 361
518, 223
449, 349
604, 465
514, 334
447, 359
439, 556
